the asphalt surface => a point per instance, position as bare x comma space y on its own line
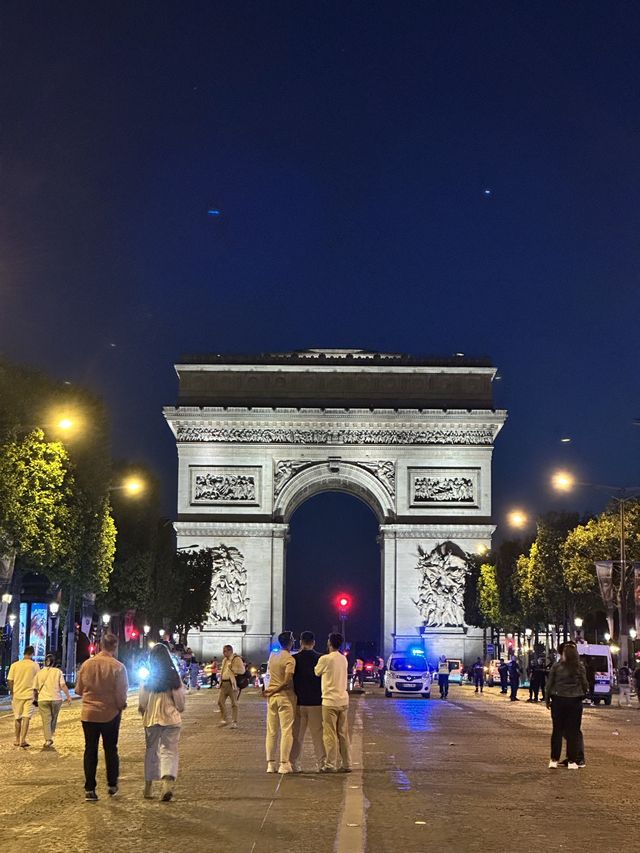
468, 774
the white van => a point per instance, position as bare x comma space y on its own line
407, 672
598, 657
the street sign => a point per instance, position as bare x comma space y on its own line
490, 648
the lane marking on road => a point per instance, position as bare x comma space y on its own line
266, 814
352, 824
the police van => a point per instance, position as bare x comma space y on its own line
598, 659
407, 673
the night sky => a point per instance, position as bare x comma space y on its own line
421, 177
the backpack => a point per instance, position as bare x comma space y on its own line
242, 681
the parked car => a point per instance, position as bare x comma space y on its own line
407, 673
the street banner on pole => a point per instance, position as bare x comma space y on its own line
604, 571
636, 593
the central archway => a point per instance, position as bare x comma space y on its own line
333, 547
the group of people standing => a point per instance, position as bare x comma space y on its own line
308, 691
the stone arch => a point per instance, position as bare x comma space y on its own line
334, 477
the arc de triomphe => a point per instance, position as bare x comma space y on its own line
413, 438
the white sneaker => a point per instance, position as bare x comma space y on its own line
223, 723
285, 767
271, 767
234, 725
553, 765
572, 765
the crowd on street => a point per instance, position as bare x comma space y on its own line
306, 691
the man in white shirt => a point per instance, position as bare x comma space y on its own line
332, 669
281, 707
22, 682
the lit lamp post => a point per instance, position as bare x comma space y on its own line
106, 619
633, 634
54, 608
564, 481
578, 622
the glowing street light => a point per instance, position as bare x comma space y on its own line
7, 598
65, 424
12, 620
106, 618
517, 518
161, 633
146, 629
578, 622
133, 486
633, 633
607, 636
563, 481
54, 606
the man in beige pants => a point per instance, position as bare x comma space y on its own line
281, 707
309, 703
332, 668
232, 665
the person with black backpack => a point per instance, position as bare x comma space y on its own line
233, 678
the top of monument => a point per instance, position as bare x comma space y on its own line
332, 355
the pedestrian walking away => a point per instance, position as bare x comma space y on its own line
22, 681
103, 685
567, 686
624, 685
232, 667
503, 672
51, 689
281, 705
161, 702
333, 671
514, 678
308, 689
478, 675
443, 676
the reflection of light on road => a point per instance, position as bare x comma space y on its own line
400, 780
415, 714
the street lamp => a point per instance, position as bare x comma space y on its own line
7, 598
633, 633
12, 620
106, 618
161, 633
578, 622
146, 629
607, 636
517, 518
54, 607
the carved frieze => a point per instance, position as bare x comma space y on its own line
472, 435
456, 487
225, 486
284, 469
441, 585
229, 600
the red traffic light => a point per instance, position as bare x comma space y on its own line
343, 601
134, 634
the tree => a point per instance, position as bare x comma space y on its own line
489, 603
539, 578
37, 516
599, 539
193, 570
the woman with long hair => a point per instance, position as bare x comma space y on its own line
161, 702
566, 688
51, 688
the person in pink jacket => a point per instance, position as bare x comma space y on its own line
161, 702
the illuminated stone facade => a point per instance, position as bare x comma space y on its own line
413, 438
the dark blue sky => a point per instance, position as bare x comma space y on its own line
349, 146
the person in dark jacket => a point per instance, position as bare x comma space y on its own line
308, 689
567, 686
514, 678
503, 672
478, 675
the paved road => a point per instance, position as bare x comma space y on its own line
464, 775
